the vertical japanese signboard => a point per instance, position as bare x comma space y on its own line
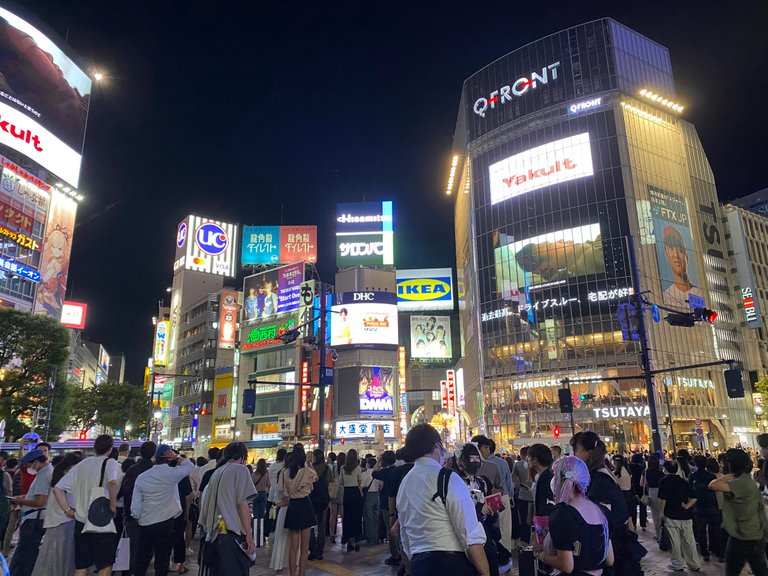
450, 382
227, 319
401, 376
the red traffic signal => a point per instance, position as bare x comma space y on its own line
83, 435
203, 412
705, 315
556, 431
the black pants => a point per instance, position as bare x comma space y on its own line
707, 522
521, 507
639, 509
179, 543
267, 521
232, 559
25, 555
431, 563
132, 531
317, 533
739, 552
157, 539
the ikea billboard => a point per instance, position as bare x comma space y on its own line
425, 289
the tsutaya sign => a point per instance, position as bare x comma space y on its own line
518, 88
622, 412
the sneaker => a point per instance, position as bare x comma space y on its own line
392, 561
696, 569
673, 569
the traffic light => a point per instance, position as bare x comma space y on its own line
685, 319
584, 397
556, 431
566, 402
733, 383
705, 315
249, 401
83, 435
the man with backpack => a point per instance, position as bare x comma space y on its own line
320, 499
439, 529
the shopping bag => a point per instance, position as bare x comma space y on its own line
123, 555
665, 541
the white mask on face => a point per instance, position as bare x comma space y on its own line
32, 471
443, 456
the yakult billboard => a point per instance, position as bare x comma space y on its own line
560, 161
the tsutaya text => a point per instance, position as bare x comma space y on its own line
622, 412
517, 88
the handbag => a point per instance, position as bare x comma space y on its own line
665, 540
123, 554
99, 519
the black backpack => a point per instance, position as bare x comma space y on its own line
443, 477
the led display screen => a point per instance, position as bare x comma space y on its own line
364, 319
431, 337
272, 292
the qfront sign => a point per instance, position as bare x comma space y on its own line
425, 289
516, 89
205, 245
559, 161
637, 411
365, 234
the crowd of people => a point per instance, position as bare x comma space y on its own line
464, 510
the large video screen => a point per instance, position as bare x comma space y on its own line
431, 337
364, 319
560, 161
272, 292
375, 387
547, 260
674, 247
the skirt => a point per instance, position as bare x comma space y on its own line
57, 554
300, 514
352, 518
280, 542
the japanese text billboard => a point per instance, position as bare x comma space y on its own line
272, 292
349, 429
73, 315
162, 332
365, 234
279, 244
364, 319
228, 315
674, 247
223, 383
547, 260
431, 337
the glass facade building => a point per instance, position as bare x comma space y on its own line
574, 191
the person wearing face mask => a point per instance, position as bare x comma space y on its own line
467, 463
33, 505
437, 537
155, 505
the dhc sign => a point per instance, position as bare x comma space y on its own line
429, 289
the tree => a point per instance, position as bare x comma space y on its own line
30, 348
112, 405
761, 386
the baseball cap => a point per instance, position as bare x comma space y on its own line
161, 450
31, 456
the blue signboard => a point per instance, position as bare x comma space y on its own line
261, 245
19, 270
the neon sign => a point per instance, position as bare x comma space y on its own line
266, 335
518, 88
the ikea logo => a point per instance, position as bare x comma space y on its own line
424, 289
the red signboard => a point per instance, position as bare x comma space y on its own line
16, 218
298, 244
305, 389
73, 314
228, 320
444, 394
451, 391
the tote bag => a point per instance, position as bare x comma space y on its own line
99, 518
123, 555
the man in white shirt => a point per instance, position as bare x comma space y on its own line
437, 537
91, 548
155, 505
33, 505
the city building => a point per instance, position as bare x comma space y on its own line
40, 158
577, 185
83, 364
116, 368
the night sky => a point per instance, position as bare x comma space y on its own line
246, 111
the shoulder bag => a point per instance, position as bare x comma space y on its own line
99, 519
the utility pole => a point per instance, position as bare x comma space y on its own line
51, 386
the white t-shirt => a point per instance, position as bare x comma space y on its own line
85, 476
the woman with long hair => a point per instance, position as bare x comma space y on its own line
352, 518
280, 536
684, 468
624, 479
296, 483
260, 479
650, 485
578, 542
57, 554
337, 499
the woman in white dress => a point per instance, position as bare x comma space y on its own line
57, 554
280, 536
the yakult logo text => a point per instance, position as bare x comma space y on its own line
354, 249
517, 88
25, 135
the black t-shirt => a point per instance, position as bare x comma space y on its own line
569, 531
705, 498
543, 499
603, 489
185, 489
398, 475
386, 475
636, 470
676, 492
652, 478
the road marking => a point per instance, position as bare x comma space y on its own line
332, 568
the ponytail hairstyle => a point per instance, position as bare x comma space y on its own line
590, 442
571, 476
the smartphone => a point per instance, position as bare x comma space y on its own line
244, 547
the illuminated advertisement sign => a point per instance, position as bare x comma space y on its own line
636, 411
54, 262
19, 270
517, 88
376, 390
349, 429
205, 245
266, 335
560, 161
103, 360
427, 289
273, 292
227, 320
279, 245
585, 105
222, 393
547, 260
431, 337
19, 238
403, 387
364, 319
678, 269
160, 354
450, 381
744, 272
73, 315
365, 234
